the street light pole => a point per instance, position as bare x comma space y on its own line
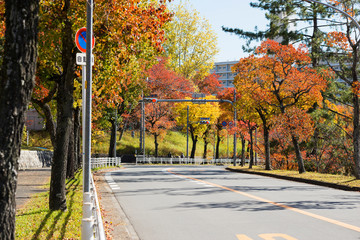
234, 105
187, 132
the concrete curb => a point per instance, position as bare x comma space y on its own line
295, 179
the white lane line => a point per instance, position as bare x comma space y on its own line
111, 182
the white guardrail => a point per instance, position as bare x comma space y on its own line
92, 215
105, 162
177, 160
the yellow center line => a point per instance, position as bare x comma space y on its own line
329, 220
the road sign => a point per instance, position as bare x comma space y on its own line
224, 123
198, 95
80, 40
204, 118
231, 123
81, 59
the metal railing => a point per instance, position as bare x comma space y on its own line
177, 160
93, 227
105, 162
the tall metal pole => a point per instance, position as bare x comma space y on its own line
141, 123
143, 134
83, 112
187, 132
114, 150
87, 223
227, 149
234, 105
89, 34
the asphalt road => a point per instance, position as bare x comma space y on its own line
209, 203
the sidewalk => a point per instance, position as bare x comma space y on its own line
115, 221
30, 181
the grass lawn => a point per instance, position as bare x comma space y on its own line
35, 221
330, 178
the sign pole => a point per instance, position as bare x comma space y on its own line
88, 83
87, 221
83, 112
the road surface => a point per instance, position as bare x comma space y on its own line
209, 203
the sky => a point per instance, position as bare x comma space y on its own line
230, 13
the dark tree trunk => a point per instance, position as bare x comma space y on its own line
242, 150
251, 149
70, 171
194, 141
77, 145
356, 135
156, 144
298, 154
112, 146
205, 148
266, 139
46, 112
218, 140
49, 120
267, 148
16, 84
57, 197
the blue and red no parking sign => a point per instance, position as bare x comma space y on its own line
80, 39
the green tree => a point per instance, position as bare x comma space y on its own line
17, 76
190, 42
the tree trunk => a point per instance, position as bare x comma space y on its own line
77, 145
112, 144
218, 140
194, 141
356, 136
251, 149
57, 197
298, 154
49, 120
156, 144
70, 171
16, 84
242, 150
205, 148
267, 148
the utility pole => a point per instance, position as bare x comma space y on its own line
114, 150
234, 105
187, 132
141, 122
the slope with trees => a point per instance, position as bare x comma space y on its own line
288, 85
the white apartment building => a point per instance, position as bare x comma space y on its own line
223, 69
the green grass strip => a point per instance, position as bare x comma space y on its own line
36, 221
349, 181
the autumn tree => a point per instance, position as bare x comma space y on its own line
344, 49
131, 35
292, 87
17, 75
191, 43
164, 84
252, 104
196, 111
